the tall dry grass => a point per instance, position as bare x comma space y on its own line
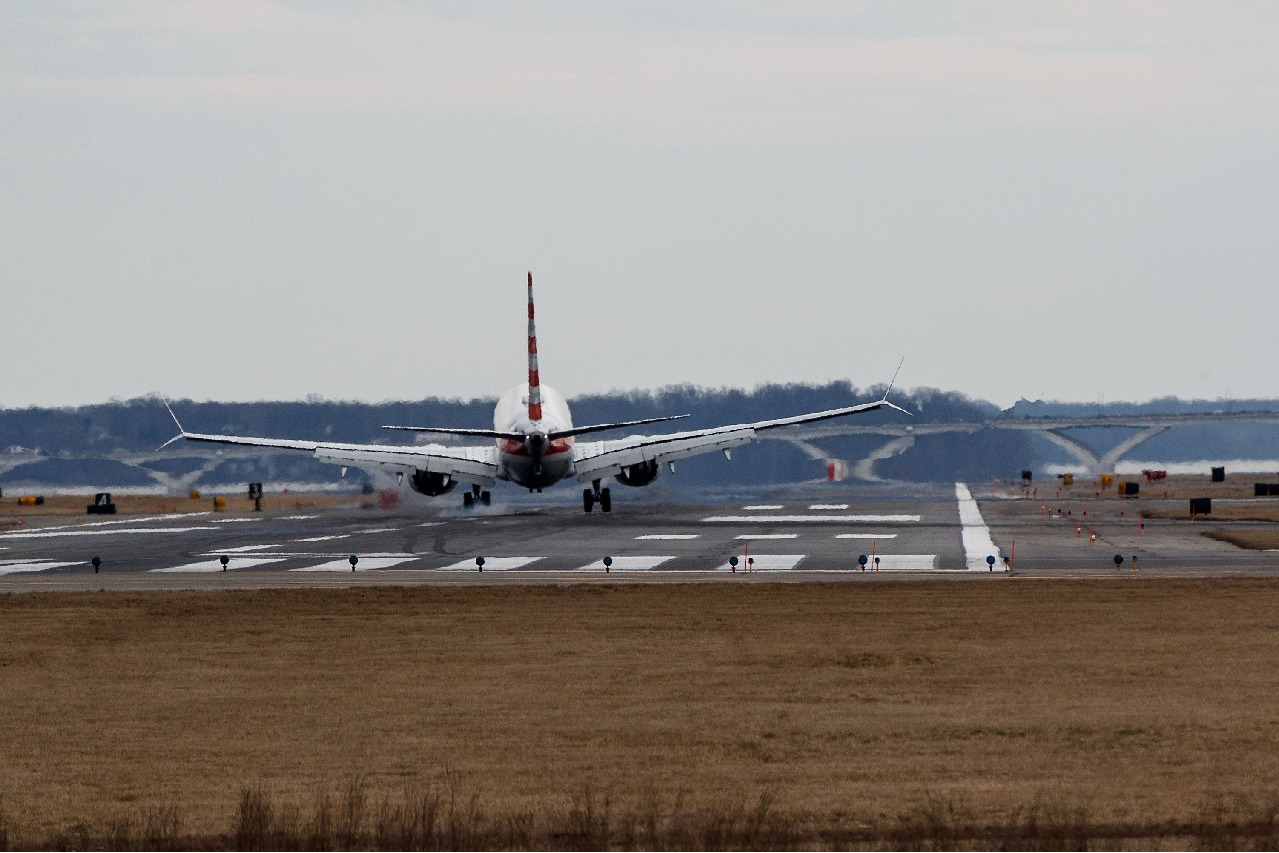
931, 710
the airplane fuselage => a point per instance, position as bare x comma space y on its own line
534, 462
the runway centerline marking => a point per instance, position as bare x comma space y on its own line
668, 536
800, 519
751, 536
865, 535
828, 506
323, 538
757, 507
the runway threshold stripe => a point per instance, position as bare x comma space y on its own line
491, 564
40, 534
767, 562
828, 506
789, 519
625, 564
213, 564
364, 564
758, 507
663, 536
865, 535
35, 566
761, 536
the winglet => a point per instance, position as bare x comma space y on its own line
889, 390
181, 432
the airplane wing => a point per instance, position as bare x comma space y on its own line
476, 465
598, 459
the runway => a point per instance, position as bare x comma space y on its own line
903, 533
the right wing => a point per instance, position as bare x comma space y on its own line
598, 459
476, 465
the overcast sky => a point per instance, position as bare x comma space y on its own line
265, 200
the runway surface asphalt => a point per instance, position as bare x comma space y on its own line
914, 533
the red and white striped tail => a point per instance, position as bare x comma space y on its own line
534, 386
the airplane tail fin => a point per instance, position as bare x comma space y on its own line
534, 385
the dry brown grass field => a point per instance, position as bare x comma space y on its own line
854, 715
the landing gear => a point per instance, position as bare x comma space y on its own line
596, 495
475, 496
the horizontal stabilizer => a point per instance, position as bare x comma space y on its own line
583, 430
470, 433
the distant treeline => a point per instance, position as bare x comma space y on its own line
142, 425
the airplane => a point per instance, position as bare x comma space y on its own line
534, 445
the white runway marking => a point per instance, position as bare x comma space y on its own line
9, 568
866, 536
902, 563
768, 562
170, 517
748, 536
298, 517
233, 520
669, 536
789, 519
243, 549
757, 507
323, 538
378, 530
41, 534
364, 564
491, 564
213, 564
624, 564
977, 542
828, 506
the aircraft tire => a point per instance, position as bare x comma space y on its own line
606, 500
588, 500
468, 500
486, 498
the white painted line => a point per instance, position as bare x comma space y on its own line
233, 520
307, 555
828, 506
244, 549
323, 538
213, 564
977, 542
170, 517
756, 507
624, 564
430, 524
364, 564
751, 537
491, 564
40, 534
377, 530
10, 568
789, 519
768, 562
297, 517
669, 536
866, 536
901, 563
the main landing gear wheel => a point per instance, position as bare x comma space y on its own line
468, 500
596, 495
486, 498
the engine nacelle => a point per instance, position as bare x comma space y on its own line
639, 474
431, 484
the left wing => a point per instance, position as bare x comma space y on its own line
598, 459
476, 465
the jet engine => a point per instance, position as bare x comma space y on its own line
431, 484
639, 474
